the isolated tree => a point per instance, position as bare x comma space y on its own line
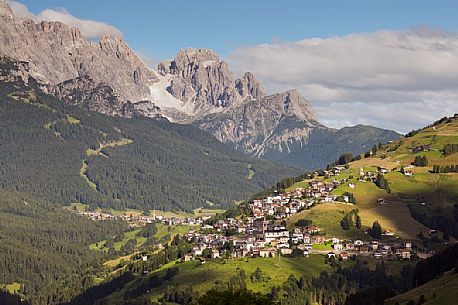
345, 158
358, 222
376, 230
382, 183
374, 149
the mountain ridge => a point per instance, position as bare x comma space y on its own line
195, 87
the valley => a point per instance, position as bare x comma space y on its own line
306, 242
195, 183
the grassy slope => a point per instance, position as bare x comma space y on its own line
203, 277
445, 288
440, 190
162, 231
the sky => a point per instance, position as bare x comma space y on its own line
391, 63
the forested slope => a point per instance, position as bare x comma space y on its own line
43, 248
65, 154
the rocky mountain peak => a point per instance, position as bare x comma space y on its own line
57, 53
291, 102
199, 77
248, 87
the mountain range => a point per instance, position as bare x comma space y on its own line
196, 87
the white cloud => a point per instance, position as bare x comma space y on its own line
394, 79
89, 28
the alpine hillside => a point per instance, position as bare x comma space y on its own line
64, 154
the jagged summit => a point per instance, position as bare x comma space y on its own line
58, 53
200, 79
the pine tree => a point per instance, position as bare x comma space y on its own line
358, 222
376, 230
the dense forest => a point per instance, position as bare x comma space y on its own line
65, 154
44, 248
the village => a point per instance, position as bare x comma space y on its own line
263, 232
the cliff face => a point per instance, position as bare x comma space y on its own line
57, 53
263, 124
203, 82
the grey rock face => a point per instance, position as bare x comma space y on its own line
200, 77
58, 53
86, 92
260, 125
248, 87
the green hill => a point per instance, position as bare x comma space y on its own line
425, 200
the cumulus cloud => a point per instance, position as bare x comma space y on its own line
89, 28
394, 79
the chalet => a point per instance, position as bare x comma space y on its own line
187, 257
306, 239
241, 229
328, 199
297, 238
363, 249
350, 246
344, 256
311, 229
286, 251
374, 245
378, 255
425, 254
408, 173
337, 247
381, 201
351, 185
358, 242
276, 234
215, 253
328, 186
405, 253
421, 148
388, 233
331, 254
382, 170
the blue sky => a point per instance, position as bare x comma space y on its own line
160, 28
387, 63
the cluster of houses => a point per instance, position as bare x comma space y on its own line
270, 241
281, 206
396, 250
140, 220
